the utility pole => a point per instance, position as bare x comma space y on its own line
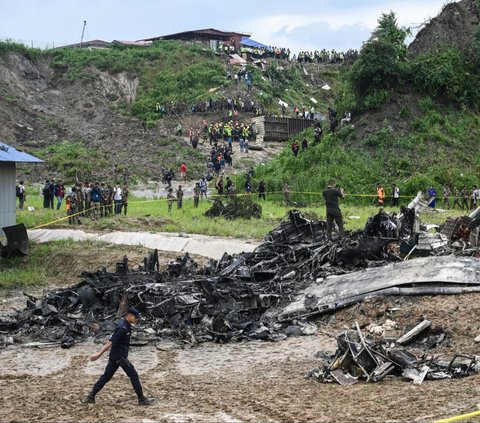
83, 32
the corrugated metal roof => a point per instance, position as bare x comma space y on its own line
10, 154
207, 31
86, 44
133, 43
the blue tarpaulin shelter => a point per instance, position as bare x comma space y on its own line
9, 156
252, 43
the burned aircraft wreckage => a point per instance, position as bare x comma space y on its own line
372, 359
293, 275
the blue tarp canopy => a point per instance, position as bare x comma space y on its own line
10, 154
252, 43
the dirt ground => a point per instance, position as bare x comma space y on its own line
246, 382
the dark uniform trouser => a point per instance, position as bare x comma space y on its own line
334, 215
110, 370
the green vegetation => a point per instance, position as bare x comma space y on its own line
10, 46
382, 63
290, 84
171, 71
437, 151
35, 270
383, 68
71, 159
415, 118
449, 74
310, 170
438, 114
61, 262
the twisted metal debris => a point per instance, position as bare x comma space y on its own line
232, 299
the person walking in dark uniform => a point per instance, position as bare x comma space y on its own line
334, 213
261, 190
118, 345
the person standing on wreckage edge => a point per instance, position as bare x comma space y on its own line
334, 213
118, 345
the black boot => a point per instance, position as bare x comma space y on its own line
89, 399
146, 401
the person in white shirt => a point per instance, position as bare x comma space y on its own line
395, 196
117, 198
21, 195
347, 118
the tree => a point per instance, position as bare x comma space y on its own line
382, 63
389, 32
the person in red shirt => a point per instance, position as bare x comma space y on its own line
183, 172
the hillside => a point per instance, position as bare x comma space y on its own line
454, 26
416, 118
415, 111
87, 111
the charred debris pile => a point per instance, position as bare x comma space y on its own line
373, 356
259, 295
235, 207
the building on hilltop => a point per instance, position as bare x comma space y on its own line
93, 44
209, 36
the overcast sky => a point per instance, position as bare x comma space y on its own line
300, 25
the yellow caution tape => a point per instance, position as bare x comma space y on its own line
210, 195
458, 418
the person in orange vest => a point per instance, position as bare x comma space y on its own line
380, 195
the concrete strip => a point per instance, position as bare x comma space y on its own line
208, 246
48, 235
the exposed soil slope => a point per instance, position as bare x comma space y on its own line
454, 27
40, 107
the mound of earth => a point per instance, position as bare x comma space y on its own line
453, 27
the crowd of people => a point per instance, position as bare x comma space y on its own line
226, 186
464, 198
244, 102
239, 103
227, 131
96, 200
258, 53
325, 56
91, 200
282, 53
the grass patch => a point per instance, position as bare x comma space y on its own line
71, 158
62, 262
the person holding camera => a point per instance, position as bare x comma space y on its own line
331, 195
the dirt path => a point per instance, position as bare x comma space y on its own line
248, 382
